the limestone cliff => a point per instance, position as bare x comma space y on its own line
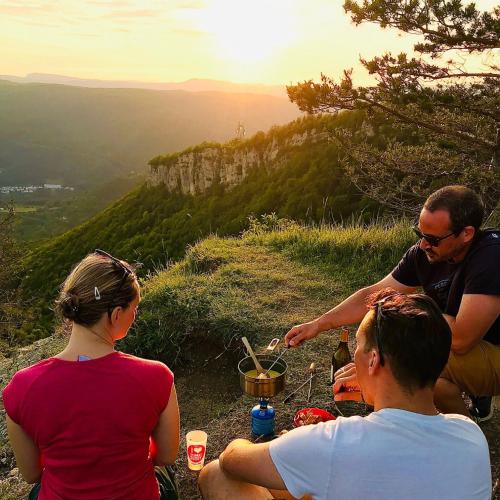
195, 170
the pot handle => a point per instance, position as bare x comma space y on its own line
272, 345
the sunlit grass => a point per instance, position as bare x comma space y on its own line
260, 284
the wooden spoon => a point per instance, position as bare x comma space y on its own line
258, 366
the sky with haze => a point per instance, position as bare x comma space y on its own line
266, 41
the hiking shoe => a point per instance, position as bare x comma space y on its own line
482, 408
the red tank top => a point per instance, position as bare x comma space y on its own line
92, 421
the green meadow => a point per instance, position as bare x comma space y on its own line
260, 284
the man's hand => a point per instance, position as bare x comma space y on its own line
300, 333
346, 377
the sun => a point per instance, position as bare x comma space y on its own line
249, 31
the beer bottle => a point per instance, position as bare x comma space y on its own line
341, 355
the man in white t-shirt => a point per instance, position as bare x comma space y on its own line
405, 449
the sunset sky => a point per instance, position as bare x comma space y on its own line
267, 41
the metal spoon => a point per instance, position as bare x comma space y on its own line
312, 370
276, 360
258, 366
299, 387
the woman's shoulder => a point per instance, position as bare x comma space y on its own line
32, 372
19, 386
142, 364
154, 376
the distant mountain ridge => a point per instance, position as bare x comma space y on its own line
191, 85
76, 136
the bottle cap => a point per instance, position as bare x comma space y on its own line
344, 334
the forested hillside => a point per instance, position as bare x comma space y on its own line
79, 136
154, 226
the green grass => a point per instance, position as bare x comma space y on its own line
355, 252
258, 285
22, 209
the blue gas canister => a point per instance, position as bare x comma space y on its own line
262, 419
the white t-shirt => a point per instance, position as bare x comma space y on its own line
390, 454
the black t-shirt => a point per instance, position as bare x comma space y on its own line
445, 282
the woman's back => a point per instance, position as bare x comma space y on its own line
92, 421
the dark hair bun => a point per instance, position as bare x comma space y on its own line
68, 306
95, 286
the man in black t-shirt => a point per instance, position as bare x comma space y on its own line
458, 265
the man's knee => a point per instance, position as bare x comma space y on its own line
448, 397
208, 476
444, 392
446, 388
476, 372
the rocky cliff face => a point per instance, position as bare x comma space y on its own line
193, 172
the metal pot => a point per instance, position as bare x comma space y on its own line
262, 387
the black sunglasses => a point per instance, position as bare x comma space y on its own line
379, 313
432, 240
126, 273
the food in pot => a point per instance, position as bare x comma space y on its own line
255, 374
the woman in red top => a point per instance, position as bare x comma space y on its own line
91, 422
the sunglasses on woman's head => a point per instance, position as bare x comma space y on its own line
126, 273
118, 262
432, 240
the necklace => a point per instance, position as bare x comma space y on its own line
109, 342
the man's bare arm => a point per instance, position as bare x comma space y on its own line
474, 318
351, 310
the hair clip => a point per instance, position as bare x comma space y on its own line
97, 295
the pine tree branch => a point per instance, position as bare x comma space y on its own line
470, 138
460, 75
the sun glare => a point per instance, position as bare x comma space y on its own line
249, 31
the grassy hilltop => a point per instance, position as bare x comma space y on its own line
194, 313
259, 284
